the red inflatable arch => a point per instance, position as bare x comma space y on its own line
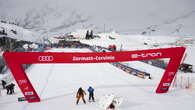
16, 59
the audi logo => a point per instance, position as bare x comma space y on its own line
45, 58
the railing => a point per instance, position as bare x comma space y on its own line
121, 66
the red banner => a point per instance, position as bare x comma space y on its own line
16, 59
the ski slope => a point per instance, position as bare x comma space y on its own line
57, 85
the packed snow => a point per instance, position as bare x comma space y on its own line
129, 24
58, 85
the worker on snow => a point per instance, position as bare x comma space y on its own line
91, 94
10, 88
80, 94
3, 83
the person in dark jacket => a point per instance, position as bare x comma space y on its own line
91, 94
10, 88
87, 35
3, 83
80, 94
111, 106
91, 34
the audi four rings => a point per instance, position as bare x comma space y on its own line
45, 58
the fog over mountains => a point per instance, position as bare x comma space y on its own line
57, 17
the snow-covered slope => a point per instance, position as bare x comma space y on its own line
141, 42
58, 85
51, 17
19, 33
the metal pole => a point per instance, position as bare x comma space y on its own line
104, 28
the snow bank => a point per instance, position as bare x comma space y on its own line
20, 33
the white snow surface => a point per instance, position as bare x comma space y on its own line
127, 42
57, 85
21, 33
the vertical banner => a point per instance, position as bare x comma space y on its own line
24, 83
16, 59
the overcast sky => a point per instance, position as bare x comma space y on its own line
121, 15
